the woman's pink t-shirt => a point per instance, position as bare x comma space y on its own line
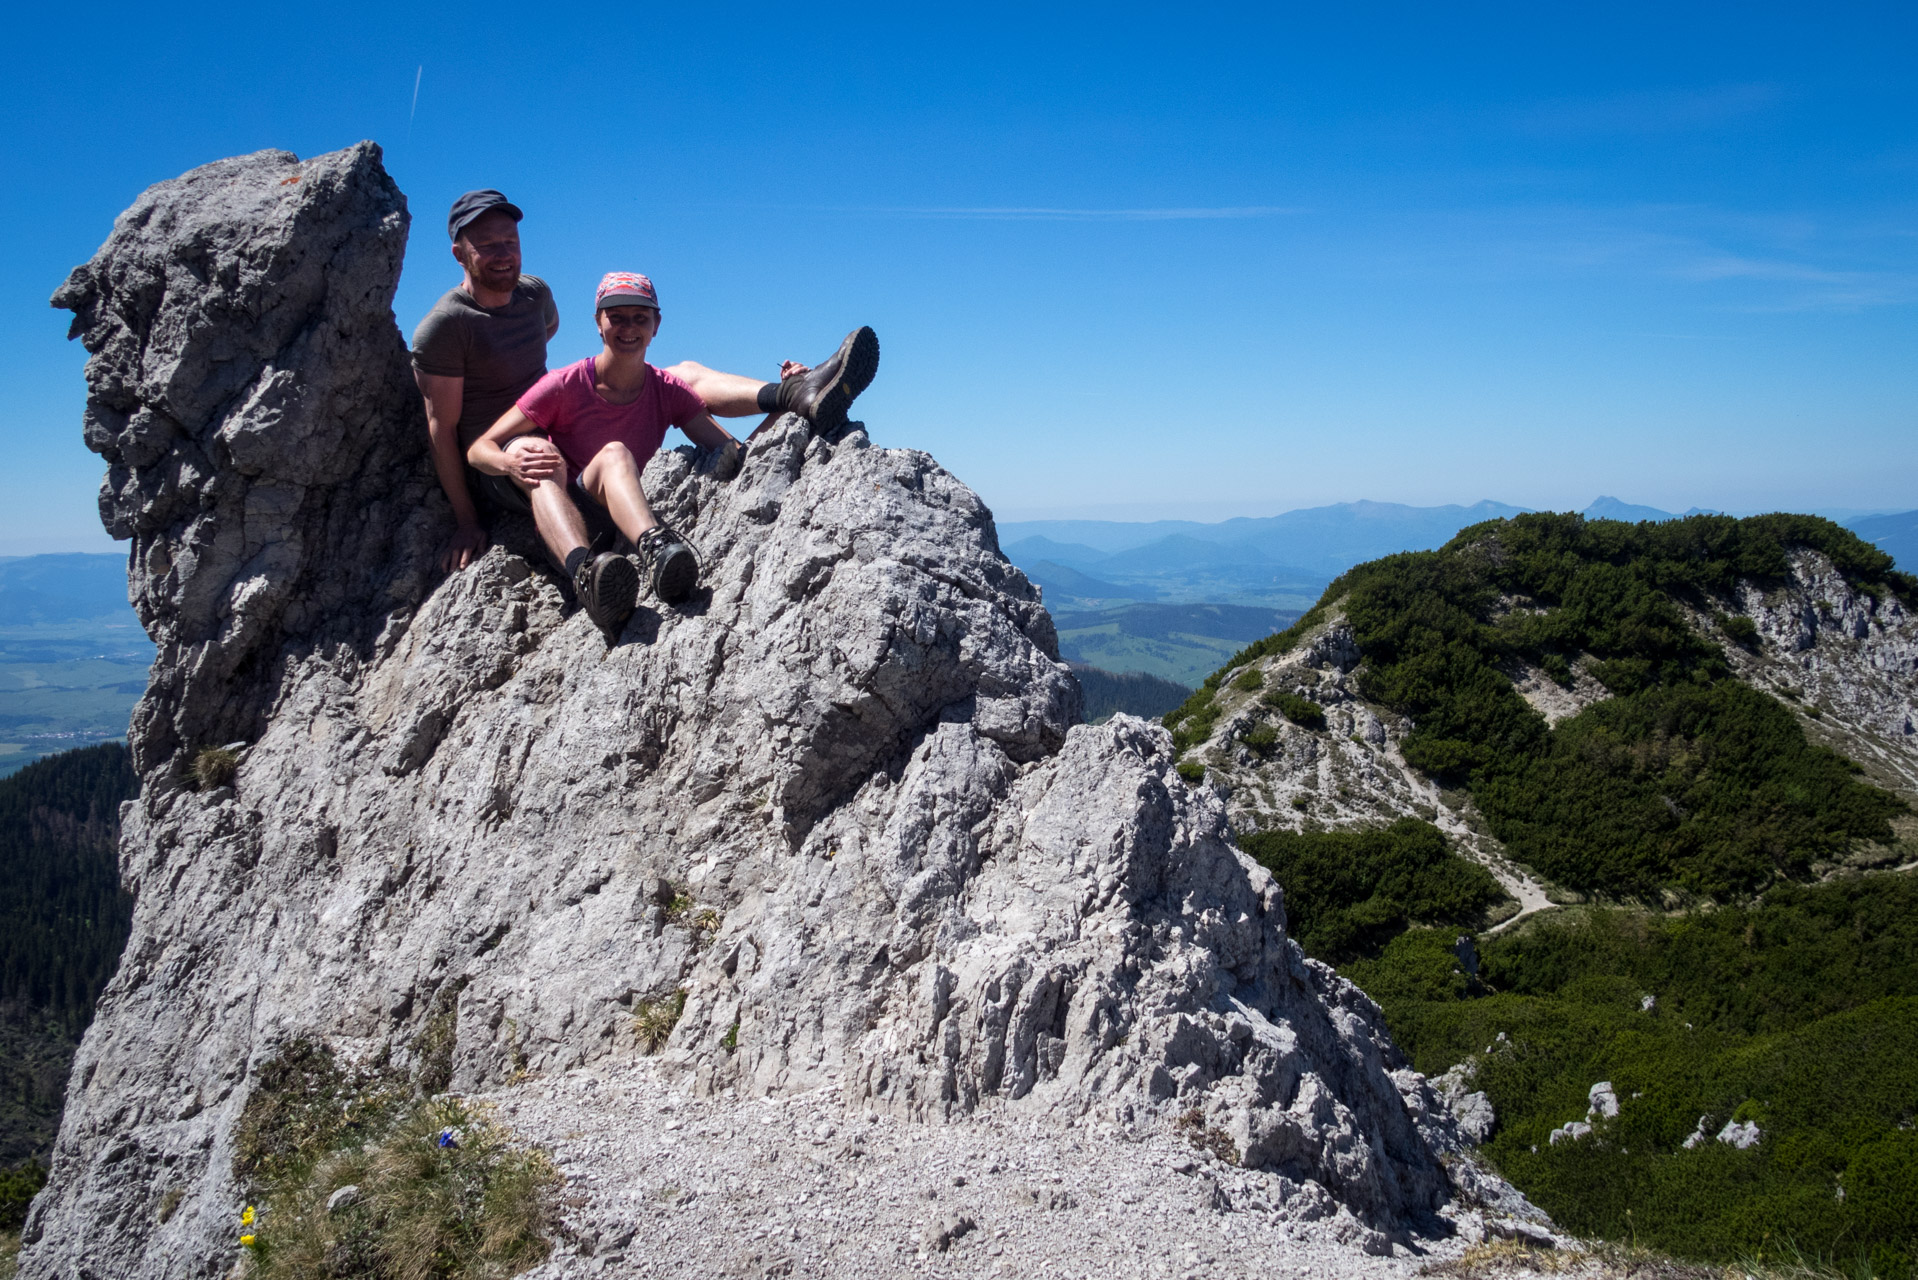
581, 423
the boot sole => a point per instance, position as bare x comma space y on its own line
858, 366
615, 593
676, 575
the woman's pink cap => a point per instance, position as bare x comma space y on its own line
625, 289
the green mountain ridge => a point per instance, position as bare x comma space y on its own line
1702, 722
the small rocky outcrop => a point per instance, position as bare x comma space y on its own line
1846, 660
841, 797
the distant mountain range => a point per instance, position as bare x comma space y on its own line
1284, 561
1897, 536
62, 588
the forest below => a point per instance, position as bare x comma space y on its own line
63, 922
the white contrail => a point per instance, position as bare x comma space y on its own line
416, 101
1017, 214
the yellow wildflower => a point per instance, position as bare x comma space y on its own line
247, 1241
246, 1216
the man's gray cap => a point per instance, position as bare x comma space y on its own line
473, 204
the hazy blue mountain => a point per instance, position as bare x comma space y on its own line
1604, 508
1029, 551
1067, 587
1278, 561
62, 588
1897, 536
1182, 551
1320, 541
1102, 537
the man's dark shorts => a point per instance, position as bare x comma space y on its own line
498, 492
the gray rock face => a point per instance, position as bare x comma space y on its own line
248, 389
854, 752
1848, 662
1470, 1107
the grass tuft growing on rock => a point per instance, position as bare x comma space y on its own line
1207, 1138
439, 1190
214, 767
444, 1192
654, 1020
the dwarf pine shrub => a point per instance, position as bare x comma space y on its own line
1685, 778
1348, 892
1797, 1012
1302, 712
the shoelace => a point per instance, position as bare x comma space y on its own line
659, 536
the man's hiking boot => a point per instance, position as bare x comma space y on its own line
824, 395
671, 568
608, 588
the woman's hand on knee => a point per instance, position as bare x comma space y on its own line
531, 460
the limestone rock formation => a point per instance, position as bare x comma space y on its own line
1847, 661
841, 796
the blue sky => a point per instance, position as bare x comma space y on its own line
1130, 262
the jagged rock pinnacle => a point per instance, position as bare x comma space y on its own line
856, 749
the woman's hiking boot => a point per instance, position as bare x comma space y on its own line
672, 570
823, 395
608, 588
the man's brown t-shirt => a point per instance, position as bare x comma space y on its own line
500, 352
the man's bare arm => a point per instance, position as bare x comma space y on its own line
444, 397
706, 433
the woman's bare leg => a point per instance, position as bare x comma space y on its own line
612, 478
560, 525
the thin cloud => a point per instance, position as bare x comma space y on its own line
998, 213
1727, 266
1818, 288
1650, 111
1749, 262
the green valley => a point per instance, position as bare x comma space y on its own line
73, 656
1177, 642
